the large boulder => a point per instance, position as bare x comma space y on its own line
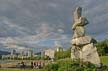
75, 52
89, 53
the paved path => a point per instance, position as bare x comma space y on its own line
27, 62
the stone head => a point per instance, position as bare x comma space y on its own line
77, 12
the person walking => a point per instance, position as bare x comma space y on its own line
31, 65
34, 64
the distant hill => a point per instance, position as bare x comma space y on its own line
4, 52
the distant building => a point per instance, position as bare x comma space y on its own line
59, 49
13, 52
22, 55
50, 53
30, 53
9, 56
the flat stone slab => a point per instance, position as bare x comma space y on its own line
82, 40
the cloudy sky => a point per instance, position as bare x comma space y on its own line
42, 24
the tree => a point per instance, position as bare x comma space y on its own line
102, 47
0, 57
63, 54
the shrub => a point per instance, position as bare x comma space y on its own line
75, 65
50, 67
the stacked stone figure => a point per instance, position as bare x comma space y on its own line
83, 45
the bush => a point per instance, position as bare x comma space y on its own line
103, 68
63, 54
102, 47
50, 67
78, 65
69, 65
73, 65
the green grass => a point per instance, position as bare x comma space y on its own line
104, 60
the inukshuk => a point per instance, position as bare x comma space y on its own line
83, 45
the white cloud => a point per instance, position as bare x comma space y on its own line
58, 44
60, 30
54, 5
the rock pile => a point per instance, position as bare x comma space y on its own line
83, 45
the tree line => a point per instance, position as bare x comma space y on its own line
102, 48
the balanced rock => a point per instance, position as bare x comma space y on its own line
82, 45
82, 40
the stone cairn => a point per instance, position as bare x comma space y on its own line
82, 45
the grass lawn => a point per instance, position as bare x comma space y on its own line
104, 60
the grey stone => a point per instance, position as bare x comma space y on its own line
79, 32
75, 52
89, 53
82, 21
82, 40
77, 13
82, 45
79, 23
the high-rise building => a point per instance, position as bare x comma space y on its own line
22, 53
30, 53
13, 52
59, 49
